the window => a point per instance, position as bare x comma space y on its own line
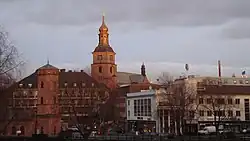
100, 69
42, 84
241, 81
41, 100
42, 130
142, 107
220, 101
209, 101
13, 131
200, 100
246, 81
128, 113
230, 101
54, 130
238, 113
230, 113
201, 113
237, 101
99, 57
209, 113
54, 99
22, 130
111, 57
235, 81
111, 69
128, 102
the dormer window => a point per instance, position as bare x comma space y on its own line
30, 85
74, 84
42, 84
20, 85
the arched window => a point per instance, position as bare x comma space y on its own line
13, 131
42, 84
111, 69
111, 57
22, 130
54, 130
54, 99
100, 69
41, 100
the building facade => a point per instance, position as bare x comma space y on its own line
141, 111
52, 99
207, 101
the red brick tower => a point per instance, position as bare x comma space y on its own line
47, 115
104, 68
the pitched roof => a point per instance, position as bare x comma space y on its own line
77, 77
48, 66
128, 78
64, 77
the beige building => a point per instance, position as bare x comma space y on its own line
190, 103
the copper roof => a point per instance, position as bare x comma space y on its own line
101, 48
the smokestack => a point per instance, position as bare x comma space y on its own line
219, 68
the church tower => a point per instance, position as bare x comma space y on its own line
103, 68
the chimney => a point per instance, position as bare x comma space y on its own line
219, 68
62, 70
82, 70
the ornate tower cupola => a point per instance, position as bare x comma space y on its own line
103, 68
103, 34
143, 70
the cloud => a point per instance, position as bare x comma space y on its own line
237, 29
153, 13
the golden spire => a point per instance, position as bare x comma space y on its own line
103, 35
103, 26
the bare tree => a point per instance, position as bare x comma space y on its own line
165, 79
82, 106
10, 69
10, 61
220, 107
182, 104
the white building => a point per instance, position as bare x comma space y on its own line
141, 111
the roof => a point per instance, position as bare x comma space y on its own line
141, 94
77, 77
71, 78
48, 66
128, 78
101, 48
225, 89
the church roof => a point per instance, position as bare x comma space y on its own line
128, 78
100, 48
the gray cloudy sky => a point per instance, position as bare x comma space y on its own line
165, 34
